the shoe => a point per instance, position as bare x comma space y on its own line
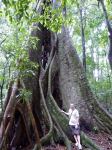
80, 146
76, 144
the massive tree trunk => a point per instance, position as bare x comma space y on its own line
70, 72
74, 82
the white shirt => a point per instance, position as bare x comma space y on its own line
74, 117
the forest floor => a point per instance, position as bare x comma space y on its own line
102, 139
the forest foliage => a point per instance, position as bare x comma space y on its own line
16, 22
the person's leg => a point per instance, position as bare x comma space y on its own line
75, 137
72, 130
79, 143
78, 138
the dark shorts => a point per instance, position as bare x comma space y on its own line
74, 130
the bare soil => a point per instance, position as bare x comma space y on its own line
102, 139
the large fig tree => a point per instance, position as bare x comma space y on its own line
32, 111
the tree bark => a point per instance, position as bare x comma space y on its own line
83, 38
74, 86
70, 71
110, 32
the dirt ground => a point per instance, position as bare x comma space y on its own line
102, 139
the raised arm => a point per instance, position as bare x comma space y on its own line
67, 113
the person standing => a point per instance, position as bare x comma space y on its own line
74, 124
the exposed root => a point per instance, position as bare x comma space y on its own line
20, 109
88, 142
38, 143
66, 140
8, 94
3, 141
9, 112
49, 134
